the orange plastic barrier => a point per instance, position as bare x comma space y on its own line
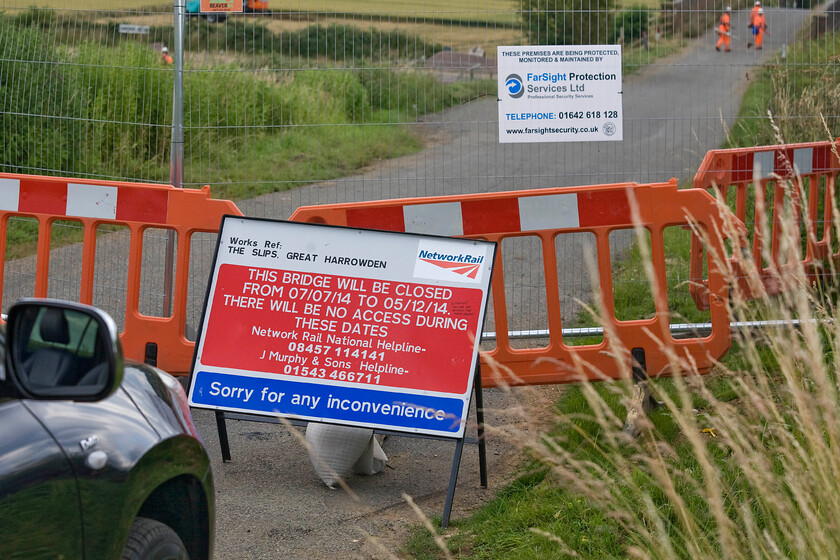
546, 214
763, 181
138, 207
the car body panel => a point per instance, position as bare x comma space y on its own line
122, 432
125, 436
139, 458
154, 400
36, 484
75, 472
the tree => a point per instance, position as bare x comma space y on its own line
568, 22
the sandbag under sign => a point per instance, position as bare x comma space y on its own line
336, 451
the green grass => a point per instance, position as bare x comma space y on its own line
539, 517
796, 92
508, 525
492, 11
727, 462
632, 292
293, 159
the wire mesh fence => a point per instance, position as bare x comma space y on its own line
295, 103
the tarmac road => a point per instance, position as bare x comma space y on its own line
270, 502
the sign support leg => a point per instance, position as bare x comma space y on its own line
479, 418
459, 449
223, 436
453, 480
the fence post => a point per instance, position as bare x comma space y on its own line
176, 154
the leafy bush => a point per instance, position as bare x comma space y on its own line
41, 104
129, 97
237, 34
634, 21
335, 42
568, 22
346, 42
34, 17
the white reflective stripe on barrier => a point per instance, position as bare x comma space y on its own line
511, 212
440, 218
60, 197
553, 211
9, 194
91, 201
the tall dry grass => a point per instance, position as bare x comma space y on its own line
765, 482
742, 464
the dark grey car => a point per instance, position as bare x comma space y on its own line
99, 459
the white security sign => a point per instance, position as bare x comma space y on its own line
567, 93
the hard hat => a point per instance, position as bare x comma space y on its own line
164, 49
761, 10
757, 2
728, 9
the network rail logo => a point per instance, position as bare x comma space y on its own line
514, 86
465, 265
442, 263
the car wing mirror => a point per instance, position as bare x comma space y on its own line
62, 350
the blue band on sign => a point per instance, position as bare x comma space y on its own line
383, 409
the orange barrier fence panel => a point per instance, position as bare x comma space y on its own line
546, 217
763, 183
136, 207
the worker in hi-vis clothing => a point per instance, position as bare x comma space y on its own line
754, 12
759, 28
164, 56
753, 24
723, 31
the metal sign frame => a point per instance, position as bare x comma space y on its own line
308, 322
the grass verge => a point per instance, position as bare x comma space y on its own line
741, 464
796, 98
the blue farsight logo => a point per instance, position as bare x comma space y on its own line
513, 83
